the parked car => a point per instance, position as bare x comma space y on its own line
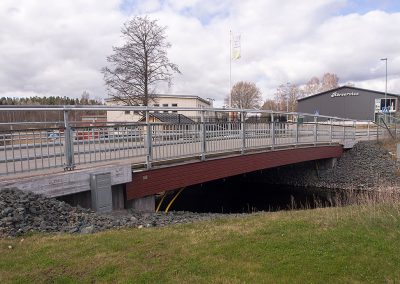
53, 135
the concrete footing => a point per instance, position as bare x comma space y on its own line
144, 204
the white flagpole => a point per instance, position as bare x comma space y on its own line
230, 69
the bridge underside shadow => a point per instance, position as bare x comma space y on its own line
169, 178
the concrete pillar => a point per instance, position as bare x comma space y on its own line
118, 199
145, 204
326, 164
100, 185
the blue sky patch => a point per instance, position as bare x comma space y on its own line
365, 6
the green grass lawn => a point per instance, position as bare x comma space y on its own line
350, 244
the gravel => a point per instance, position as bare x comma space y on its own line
24, 212
366, 166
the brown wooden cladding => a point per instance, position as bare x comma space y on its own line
169, 178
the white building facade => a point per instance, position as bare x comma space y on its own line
171, 101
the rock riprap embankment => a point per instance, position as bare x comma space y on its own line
366, 166
23, 212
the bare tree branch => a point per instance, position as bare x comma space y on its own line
140, 63
245, 95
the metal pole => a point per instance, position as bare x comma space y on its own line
272, 130
297, 130
288, 90
149, 156
203, 137
315, 130
331, 130
68, 144
230, 69
377, 132
243, 126
385, 59
369, 138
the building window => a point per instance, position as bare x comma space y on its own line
165, 105
127, 112
156, 105
174, 105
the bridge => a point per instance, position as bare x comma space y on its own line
165, 150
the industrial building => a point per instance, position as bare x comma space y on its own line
350, 102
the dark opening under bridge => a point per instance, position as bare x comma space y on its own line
64, 157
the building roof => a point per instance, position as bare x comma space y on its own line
347, 87
174, 96
173, 118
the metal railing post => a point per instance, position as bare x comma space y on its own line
315, 130
331, 130
344, 131
272, 130
377, 132
203, 137
243, 133
368, 131
297, 130
354, 130
149, 146
68, 144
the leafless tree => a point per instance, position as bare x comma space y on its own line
329, 81
140, 63
312, 86
245, 95
269, 104
286, 97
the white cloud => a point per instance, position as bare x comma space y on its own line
58, 47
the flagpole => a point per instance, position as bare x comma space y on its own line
230, 68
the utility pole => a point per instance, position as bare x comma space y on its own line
385, 59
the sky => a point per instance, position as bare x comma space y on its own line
58, 48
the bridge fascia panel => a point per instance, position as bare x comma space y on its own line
153, 181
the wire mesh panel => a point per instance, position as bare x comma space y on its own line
285, 133
27, 150
258, 134
94, 144
169, 141
223, 137
324, 129
306, 133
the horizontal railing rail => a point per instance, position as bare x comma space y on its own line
67, 142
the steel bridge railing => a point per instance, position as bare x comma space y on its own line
28, 146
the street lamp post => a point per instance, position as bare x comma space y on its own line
288, 89
385, 59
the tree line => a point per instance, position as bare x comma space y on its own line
286, 95
49, 118
52, 100
248, 96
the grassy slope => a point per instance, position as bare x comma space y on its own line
353, 244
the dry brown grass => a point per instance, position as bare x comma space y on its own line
390, 145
